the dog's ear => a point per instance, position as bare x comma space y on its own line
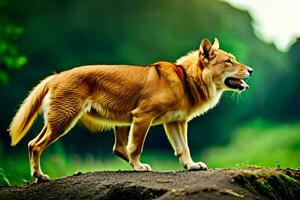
216, 44
205, 49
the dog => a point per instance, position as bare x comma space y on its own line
103, 97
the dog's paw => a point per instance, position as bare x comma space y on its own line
142, 167
42, 178
198, 166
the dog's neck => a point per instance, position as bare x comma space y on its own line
189, 59
199, 89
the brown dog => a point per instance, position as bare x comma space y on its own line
119, 96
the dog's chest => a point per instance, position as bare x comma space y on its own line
205, 106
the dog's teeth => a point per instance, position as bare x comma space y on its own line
244, 84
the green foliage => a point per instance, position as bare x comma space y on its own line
3, 179
10, 58
259, 143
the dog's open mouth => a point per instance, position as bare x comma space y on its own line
236, 83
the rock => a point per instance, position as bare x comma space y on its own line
246, 183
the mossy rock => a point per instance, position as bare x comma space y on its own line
272, 185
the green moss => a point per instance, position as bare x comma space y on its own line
289, 180
292, 186
270, 184
265, 188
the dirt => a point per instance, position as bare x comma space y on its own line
246, 183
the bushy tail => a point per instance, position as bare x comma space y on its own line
28, 112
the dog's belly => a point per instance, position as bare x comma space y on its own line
98, 123
171, 117
96, 118
108, 121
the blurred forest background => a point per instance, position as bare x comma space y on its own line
259, 127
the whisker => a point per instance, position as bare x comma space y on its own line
240, 97
233, 96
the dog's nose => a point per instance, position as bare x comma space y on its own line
250, 70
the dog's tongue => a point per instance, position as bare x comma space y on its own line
244, 84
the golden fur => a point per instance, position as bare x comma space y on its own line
121, 96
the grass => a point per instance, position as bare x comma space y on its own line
3, 179
56, 164
257, 144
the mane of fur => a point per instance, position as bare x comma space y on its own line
201, 88
189, 59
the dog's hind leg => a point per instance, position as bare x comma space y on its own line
34, 156
57, 124
35, 148
119, 148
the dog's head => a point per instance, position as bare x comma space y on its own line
222, 68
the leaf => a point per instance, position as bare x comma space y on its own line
21, 60
4, 79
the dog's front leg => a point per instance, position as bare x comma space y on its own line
177, 135
138, 131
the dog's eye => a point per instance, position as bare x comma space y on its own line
228, 61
